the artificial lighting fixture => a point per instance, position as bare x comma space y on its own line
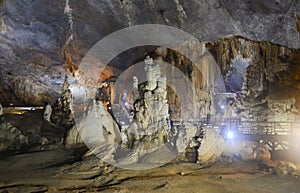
230, 135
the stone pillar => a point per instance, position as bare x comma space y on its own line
48, 112
68, 116
1, 109
135, 88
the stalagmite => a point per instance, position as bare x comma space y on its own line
63, 113
48, 112
1, 109
149, 126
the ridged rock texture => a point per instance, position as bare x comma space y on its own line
38, 37
265, 75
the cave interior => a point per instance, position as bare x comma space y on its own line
215, 112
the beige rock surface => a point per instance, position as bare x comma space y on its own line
59, 171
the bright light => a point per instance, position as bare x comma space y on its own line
222, 106
230, 135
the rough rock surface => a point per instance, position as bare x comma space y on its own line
151, 116
11, 138
201, 74
37, 36
28, 130
1, 110
243, 150
285, 168
63, 114
212, 146
258, 72
263, 154
149, 128
60, 171
95, 128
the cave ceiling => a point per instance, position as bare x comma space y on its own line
36, 36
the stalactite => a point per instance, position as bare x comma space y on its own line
181, 13
69, 65
126, 4
68, 12
268, 56
298, 22
268, 65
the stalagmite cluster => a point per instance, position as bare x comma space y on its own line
62, 113
150, 124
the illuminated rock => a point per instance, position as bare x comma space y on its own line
262, 154
48, 112
149, 127
286, 168
281, 169
212, 146
96, 128
1, 109
282, 109
135, 88
63, 113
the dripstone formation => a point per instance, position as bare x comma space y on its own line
63, 114
150, 122
1, 109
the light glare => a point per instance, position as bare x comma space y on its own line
230, 135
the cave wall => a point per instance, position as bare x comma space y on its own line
36, 35
265, 59
268, 73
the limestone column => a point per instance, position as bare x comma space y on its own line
1, 109
48, 112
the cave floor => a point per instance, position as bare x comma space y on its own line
60, 171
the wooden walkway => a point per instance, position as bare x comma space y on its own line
276, 135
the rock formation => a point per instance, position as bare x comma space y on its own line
96, 129
11, 137
286, 168
150, 124
47, 112
28, 132
187, 140
201, 75
1, 109
263, 154
212, 146
63, 111
239, 150
257, 59
36, 41
149, 136
262, 69
282, 109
